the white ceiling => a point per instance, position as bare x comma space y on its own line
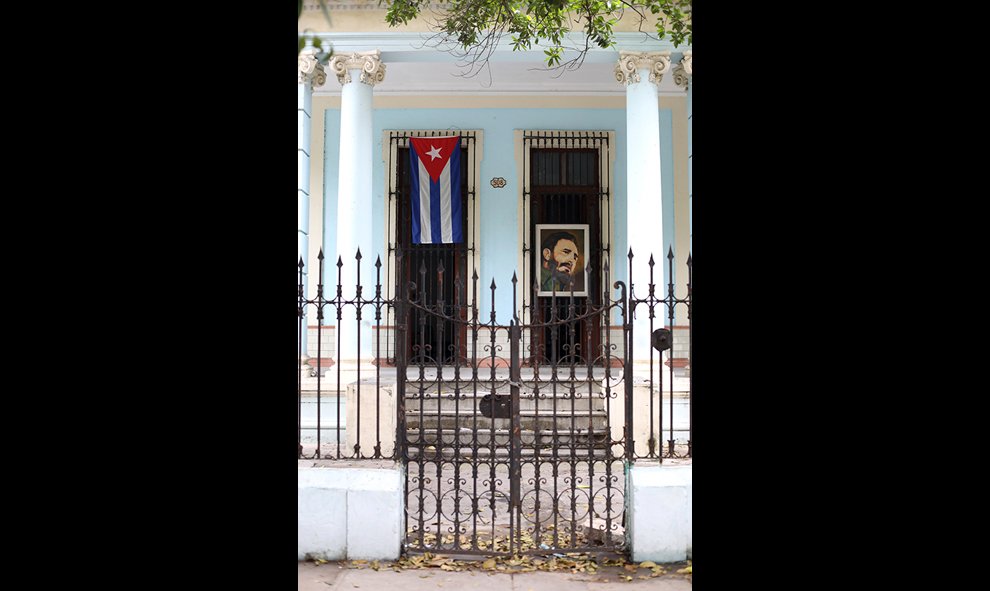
411, 78
414, 68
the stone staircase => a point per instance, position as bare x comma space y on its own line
565, 417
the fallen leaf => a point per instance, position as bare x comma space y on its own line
684, 571
630, 567
488, 564
647, 564
626, 578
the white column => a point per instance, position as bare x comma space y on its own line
358, 73
311, 73
682, 77
641, 73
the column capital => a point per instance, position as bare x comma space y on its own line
369, 62
311, 71
657, 62
682, 71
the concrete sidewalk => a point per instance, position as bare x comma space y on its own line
346, 576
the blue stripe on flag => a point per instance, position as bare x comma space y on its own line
457, 233
414, 197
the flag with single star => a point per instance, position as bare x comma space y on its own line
436, 189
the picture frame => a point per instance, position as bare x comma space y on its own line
570, 245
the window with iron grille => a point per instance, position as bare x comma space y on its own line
567, 179
458, 260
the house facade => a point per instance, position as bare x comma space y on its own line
600, 154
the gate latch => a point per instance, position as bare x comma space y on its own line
501, 409
661, 339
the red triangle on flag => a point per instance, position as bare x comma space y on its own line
434, 152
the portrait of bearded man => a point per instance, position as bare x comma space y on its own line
561, 265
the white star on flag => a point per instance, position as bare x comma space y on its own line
434, 153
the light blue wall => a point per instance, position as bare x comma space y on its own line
667, 195
498, 218
331, 160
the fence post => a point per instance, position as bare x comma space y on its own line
400, 362
515, 453
627, 331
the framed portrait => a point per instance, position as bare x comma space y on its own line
561, 257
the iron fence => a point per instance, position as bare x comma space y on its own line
324, 392
516, 453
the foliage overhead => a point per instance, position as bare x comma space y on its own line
474, 27
322, 53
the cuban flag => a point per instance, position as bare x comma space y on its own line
436, 189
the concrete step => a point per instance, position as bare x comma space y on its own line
469, 401
527, 374
468, 413
563, 437
527, 423
581, 453
469, 393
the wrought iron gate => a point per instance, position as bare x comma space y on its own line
517, 455
515, 438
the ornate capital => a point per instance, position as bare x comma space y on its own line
311, 71
682, 71
369, 62
657, 62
